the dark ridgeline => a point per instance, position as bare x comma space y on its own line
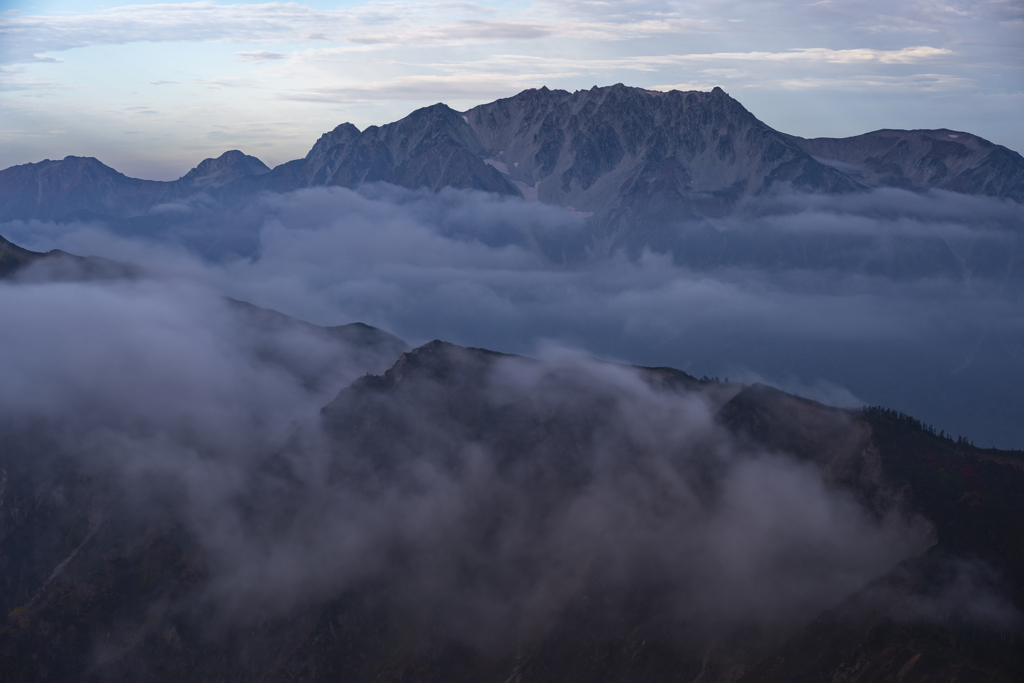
97, 589
55, 265
13, 257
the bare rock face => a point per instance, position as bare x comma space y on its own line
924, 159
620, 151
431, 148
627, 155
342, 135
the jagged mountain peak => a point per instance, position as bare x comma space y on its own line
342, 134
432, 147
602, 150
228, 167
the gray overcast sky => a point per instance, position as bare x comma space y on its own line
153, 88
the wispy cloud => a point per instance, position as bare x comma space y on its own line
877, 83
418, 87
454, 32
278, 23
260, 56
520, 64
907, 55
374, 23
501, 75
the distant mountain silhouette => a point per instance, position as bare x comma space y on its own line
625, 156
55, 189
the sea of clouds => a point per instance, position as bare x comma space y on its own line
889, 297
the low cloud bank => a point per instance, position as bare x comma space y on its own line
907, 300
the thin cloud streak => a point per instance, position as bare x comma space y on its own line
260, 56
276, 23
503, 75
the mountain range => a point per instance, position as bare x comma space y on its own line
621, 155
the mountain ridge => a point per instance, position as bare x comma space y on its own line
624, 155
49, 190
919, 159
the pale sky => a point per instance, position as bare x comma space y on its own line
153, 88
